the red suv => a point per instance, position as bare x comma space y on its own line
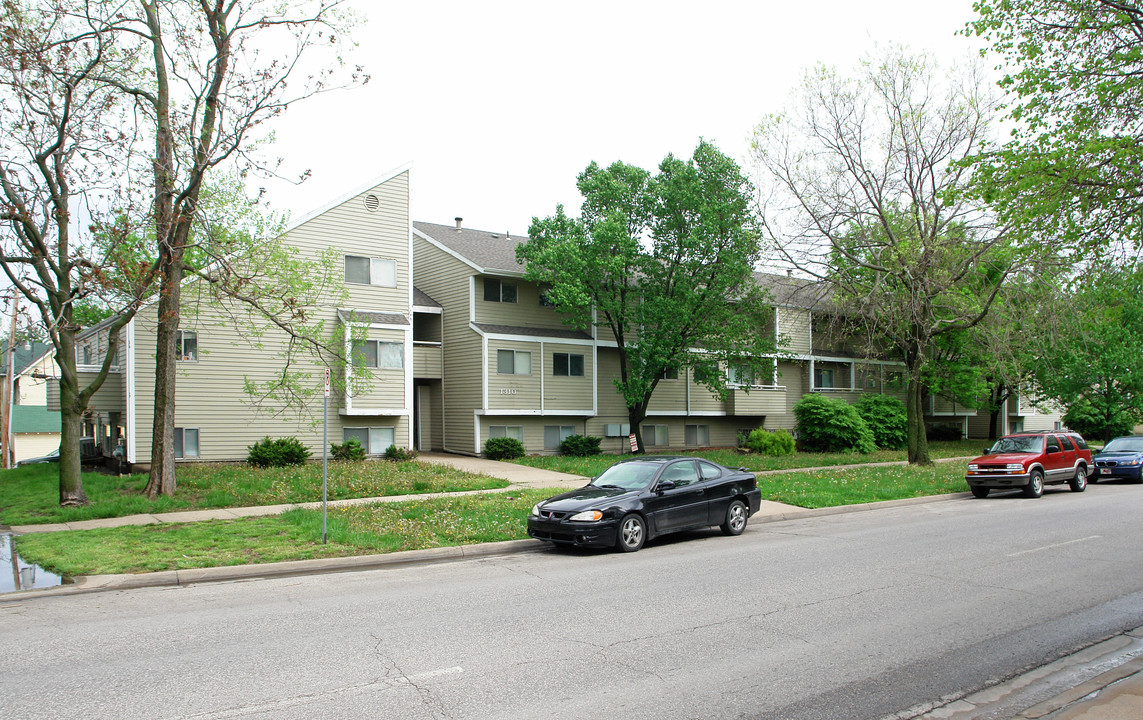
1030, 461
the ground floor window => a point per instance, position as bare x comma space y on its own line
512, 431
375, 440
186, 442
556, 434
655, 435
698, 435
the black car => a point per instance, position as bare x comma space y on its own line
640, 498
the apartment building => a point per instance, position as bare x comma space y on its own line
469, 352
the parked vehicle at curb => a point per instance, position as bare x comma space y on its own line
641, 498
1029, 461
1120, 459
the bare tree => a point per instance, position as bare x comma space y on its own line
57, 148
216, 70
864, 176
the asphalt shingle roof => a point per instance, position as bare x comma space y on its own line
25, 355
491, 251
421, 298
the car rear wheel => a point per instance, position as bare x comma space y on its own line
735, 519
1079, 482
1035, 486
632, 533
980, 492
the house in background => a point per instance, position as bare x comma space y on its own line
35, 428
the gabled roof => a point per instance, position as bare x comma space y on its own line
488, 252
24, 354
422, 299
797, 292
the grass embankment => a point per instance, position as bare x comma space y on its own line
30, 495
592, 466
407, 525
294, 535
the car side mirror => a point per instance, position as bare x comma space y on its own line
665, 485
986, 451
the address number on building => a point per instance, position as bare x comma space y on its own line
507, 391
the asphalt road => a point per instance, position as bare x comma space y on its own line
841, 617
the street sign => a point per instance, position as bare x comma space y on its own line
327, 382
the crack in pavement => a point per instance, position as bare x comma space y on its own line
430, 701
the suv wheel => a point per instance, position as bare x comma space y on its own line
1079, 482
1035, 486
980, 492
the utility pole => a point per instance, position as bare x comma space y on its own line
7, 394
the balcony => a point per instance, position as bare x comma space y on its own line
427, 360
769, 400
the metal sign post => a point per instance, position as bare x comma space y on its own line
324, 451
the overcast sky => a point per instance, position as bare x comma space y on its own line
499, 105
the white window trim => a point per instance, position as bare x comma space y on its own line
374, 273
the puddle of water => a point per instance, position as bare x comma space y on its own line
15, 574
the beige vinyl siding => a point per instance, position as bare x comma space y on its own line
700, 398
434, 422
670, 395
110, 396
387, 388
30, 445
525, 312
978, 424
515, 391
567, 393
446, 280
428, 361
210, 392
794, 324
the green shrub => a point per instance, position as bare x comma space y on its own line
774, 444
277, 453
886, 417
397, 454
831, 425
503, 448
349, 450
1091, 422
944, 432
580, 445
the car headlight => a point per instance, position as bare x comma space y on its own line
1132, 463
973, 466
1015, 466
587, 516
536, 510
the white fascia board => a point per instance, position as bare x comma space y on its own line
130, 421
508, 412
710, 413
668, 413
476, 432
384, 177
380, 412
447, 250
428, 309
531, 338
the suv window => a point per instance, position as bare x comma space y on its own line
1053, 444
1066, 443
1081, 444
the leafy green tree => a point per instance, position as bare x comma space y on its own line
863, 179
1070, 172
1091, 365
664, 265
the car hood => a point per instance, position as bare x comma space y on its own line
1002, 458
1117, 454
584, 498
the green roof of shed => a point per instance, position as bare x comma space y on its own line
35, 419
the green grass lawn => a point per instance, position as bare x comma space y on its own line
30, 494
849, 486
294, 535
593, 466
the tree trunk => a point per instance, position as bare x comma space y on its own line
915, 416
162, 479
71, 423
635, 416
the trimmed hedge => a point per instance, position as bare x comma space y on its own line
503, 448
277, 453
831, 425
397, 454
350, 450
580, 445
774, 444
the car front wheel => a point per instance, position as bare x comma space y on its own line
980, 492
1079, 482
735, 519
1035, 486
632, 533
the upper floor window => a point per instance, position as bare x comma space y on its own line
669, 374
739, 375
824, 378
378, 354
513, 362
567, 364
186, 345
370, 271
498, 291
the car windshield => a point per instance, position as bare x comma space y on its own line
1125, 444
628, 475
1019, 444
